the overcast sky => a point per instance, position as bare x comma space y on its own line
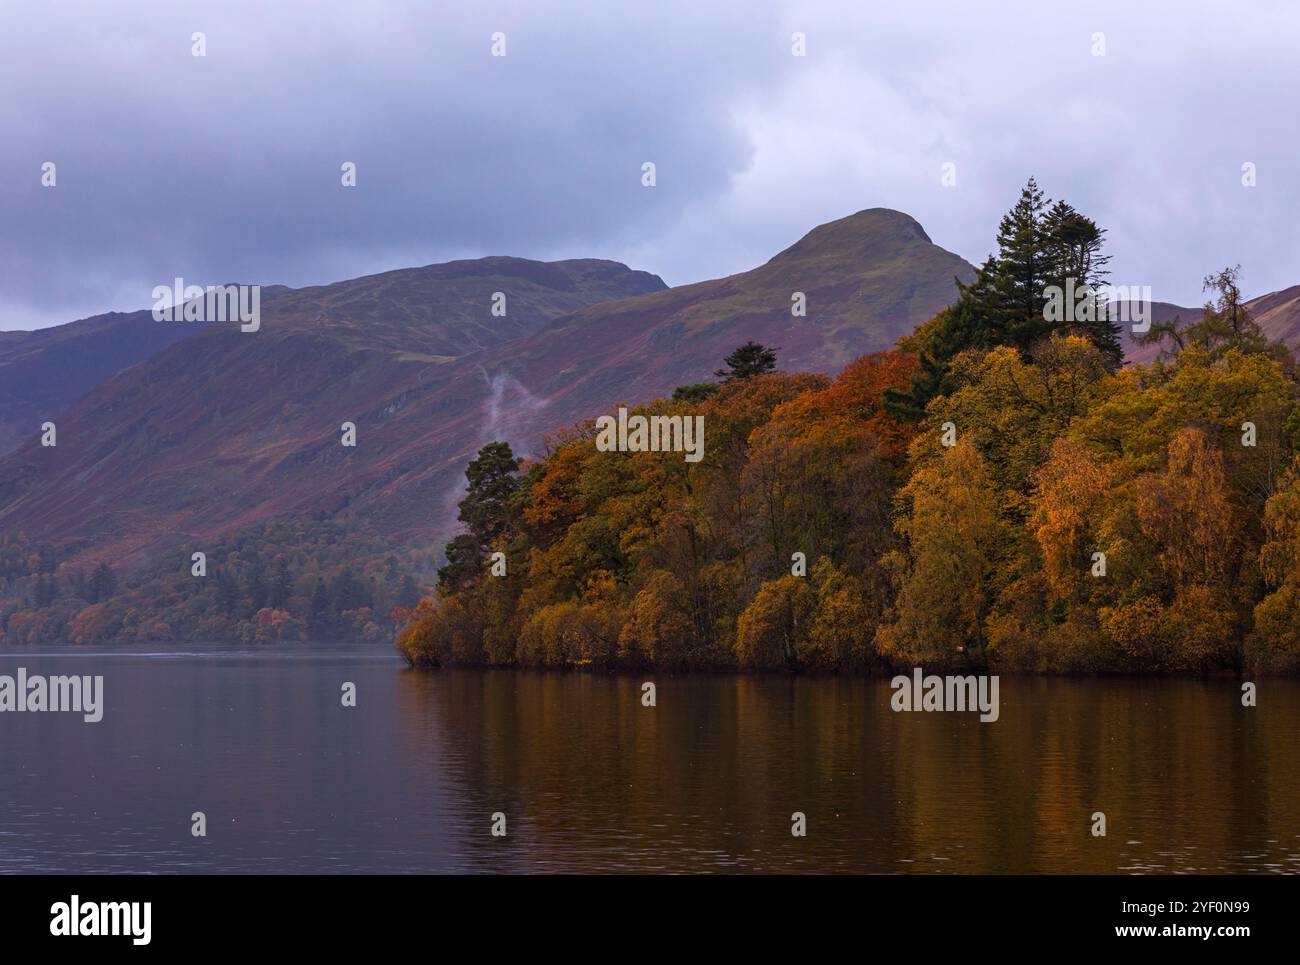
226, 167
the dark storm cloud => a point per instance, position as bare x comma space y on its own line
226, 167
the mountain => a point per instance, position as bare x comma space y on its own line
1278, 314
207, 434
44, 371
868, 279
437, 310
228, 429
444, 311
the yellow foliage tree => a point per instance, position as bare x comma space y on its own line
946, 578
774, 627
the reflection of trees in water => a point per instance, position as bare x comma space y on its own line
590, 779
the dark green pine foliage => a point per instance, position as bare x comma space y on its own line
747, 361
281, 586
961, 326
464, 561
1021, 272
493, 478
320, 600
1074, 249
695, 392
1039, 245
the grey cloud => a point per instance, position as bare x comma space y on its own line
227, 167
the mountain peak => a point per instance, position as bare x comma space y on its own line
871, 228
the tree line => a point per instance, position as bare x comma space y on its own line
284, 581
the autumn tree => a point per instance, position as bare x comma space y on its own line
1013, 408
774, 627
659, 631
1225, 323
1188, 512
1071, 492
819, 474
1276, 640
946, 576
845, 617
441, 632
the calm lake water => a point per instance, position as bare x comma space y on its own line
590, 780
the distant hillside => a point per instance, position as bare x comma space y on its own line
1137, 353
868, 279
446, 310
439, 310
229, 429
1278, 314
43, 372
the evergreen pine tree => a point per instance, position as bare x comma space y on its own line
1074, 249
747, 361
346, 593
493, 477
320, 600
281, 585
1023, 269
45, 591
1038, 246
464, 562
227, 591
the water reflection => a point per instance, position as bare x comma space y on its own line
1188, 779
589, 779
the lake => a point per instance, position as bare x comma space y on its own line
588, 779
